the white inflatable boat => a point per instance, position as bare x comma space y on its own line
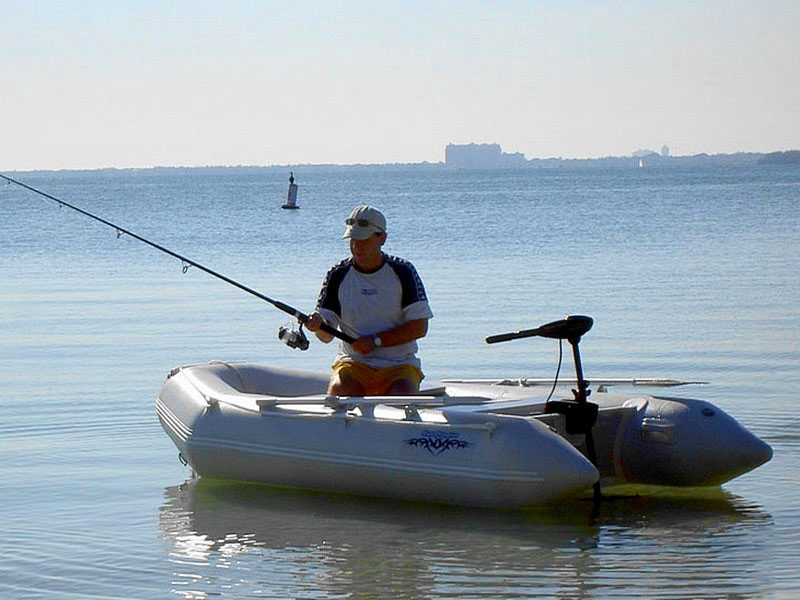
477, 443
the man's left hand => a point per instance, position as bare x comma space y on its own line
365, 344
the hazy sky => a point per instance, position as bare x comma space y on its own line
108, 83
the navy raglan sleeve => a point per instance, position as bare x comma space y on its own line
414, 299
328, 299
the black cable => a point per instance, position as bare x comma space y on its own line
558, 370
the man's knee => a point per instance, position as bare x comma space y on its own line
403, 387
344, 386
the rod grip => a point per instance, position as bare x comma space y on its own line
336, 333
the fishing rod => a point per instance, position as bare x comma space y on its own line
293, 339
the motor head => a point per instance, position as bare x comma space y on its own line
570, 328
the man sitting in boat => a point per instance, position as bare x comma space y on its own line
380, 301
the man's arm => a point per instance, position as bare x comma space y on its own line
407, 332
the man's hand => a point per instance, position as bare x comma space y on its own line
365, 344
314, 323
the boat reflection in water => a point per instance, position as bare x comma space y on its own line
238, 539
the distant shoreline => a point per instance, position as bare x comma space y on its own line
789, 157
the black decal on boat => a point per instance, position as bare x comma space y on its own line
437, 442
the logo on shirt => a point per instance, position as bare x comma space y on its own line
437, 442
369, 292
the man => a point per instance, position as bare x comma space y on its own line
380, 301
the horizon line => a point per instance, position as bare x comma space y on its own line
386, 164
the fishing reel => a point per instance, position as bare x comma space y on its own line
294, 338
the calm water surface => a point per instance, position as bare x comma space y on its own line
689, 273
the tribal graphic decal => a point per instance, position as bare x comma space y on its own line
437, 442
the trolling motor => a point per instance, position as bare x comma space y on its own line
580, 414
294, 338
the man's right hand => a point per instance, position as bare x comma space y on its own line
314, 323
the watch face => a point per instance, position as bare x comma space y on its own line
378, 341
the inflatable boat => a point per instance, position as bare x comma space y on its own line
493, 443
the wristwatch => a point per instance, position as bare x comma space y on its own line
376, 339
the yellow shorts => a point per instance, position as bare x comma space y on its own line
376, 381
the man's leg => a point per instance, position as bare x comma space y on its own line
356, 379
342, 384
404, 381
403, 387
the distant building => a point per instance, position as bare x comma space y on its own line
481, 156
665, 151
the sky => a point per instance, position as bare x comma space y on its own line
112, 83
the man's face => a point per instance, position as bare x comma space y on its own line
367, 253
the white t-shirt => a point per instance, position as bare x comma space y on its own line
368, 303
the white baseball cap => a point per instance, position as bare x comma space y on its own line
363, 222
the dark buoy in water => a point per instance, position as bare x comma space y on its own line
291, 197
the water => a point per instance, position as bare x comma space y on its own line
689, 273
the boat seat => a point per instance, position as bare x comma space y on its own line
249, 378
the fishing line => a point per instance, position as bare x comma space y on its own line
185, 262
